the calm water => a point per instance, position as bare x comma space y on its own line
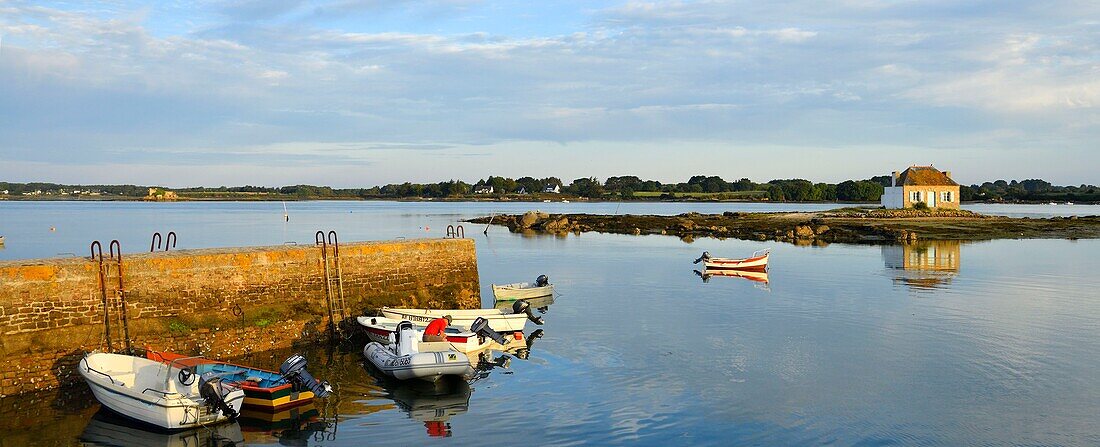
989, 343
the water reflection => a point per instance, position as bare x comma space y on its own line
760, 277
294, 426
435, 403
923, 264
109, 429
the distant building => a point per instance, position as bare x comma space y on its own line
521, 190
921, 184
484, 190
161, 194
551, 189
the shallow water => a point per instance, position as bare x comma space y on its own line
941, 343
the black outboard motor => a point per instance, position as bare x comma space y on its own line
542, 281
211, 390
523, 307
294, 370
480, 326
704, 257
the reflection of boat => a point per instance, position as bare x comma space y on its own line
163, 395
109, 429
402, 360
523, 290
499, 320
924, 264
434, 406
254, 420
264, 389
380, 329
758, 276
758, 260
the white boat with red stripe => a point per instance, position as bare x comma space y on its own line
758, 261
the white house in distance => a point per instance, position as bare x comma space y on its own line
484, 190
551, 189
921, 184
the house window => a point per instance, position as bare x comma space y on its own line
945, 196
914, 196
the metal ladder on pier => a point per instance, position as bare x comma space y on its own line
115, 313
334, 281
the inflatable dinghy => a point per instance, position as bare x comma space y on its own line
401, 358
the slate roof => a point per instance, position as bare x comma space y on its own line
924, 176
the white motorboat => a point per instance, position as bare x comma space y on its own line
401, 359
758, 261
523, 290
160, 394
381, 329
500, 320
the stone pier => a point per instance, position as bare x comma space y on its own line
216, 302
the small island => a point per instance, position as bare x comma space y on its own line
849, 225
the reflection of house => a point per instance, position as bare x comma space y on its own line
551, 189
924, 264
921, 184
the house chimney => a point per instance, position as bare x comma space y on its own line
947, 173
894, 178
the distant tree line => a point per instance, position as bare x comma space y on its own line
1030, 190
618, 187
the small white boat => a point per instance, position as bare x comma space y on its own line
381, 329
401, 359
564, 201
160, 394
499, 320
523, 290
758, 261
1, 240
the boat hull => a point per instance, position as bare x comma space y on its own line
115, 382
520, 291
430, 366
498, 320
757, 263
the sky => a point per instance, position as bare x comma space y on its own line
356, 93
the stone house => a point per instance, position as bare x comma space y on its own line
921, 184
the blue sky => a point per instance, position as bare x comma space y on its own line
366, 92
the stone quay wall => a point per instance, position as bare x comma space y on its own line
216, 302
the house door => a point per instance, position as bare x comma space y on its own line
931, 199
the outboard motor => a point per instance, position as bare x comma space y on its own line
704, 257
480, 326
542, 281
294, 370
523, 307
406, 338
213, 391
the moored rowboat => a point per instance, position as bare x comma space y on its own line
523, 290
158, 394
758, 260
263, 389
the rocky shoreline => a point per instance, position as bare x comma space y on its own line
850, 225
